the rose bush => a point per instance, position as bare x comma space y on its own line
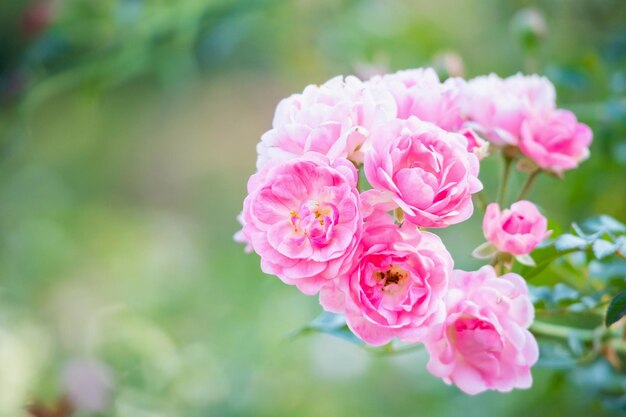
353, 171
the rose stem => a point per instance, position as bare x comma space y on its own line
506, 173
528, 184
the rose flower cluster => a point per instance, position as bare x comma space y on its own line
353, 173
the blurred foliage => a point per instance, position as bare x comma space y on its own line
127, 132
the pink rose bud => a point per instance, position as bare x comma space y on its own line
418, 92
397, 285
556, 142
302, 217
484, 342
497, 107
333, 119
475, 144
517, 230
424, 170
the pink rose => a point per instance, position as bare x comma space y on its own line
517, 230
484, 343
424, 170
333, 119
418, 92
497, 107
302, 217
396, 286
556, 142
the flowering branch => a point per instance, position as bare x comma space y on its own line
381, 275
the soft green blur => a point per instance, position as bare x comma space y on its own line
127, 133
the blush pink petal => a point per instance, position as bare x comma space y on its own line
333, 119
497, 108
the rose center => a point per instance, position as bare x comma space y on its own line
315, 221
394, 275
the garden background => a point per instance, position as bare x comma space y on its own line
127, 134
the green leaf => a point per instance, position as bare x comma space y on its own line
525, 260
543, 257
485, 251
568, 241
617, 309
332, 324
335, 325
563, 292
575, 344
603, 248
578, 230
604, 224
554, 355
540, 294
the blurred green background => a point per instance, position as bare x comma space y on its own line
127, 133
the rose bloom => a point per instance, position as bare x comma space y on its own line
484, 343
517, 230
424, 170
302, 217
497, 107
334, 119
418, 92
396, 286
556, 142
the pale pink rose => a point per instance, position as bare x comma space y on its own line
517, 230
418, 92
484, 343
424, 170
556, 142
497, 107
397, 285
302, 217
333, 119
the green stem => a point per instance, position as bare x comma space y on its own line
504, 183
561, 332
528, 184
599, 334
